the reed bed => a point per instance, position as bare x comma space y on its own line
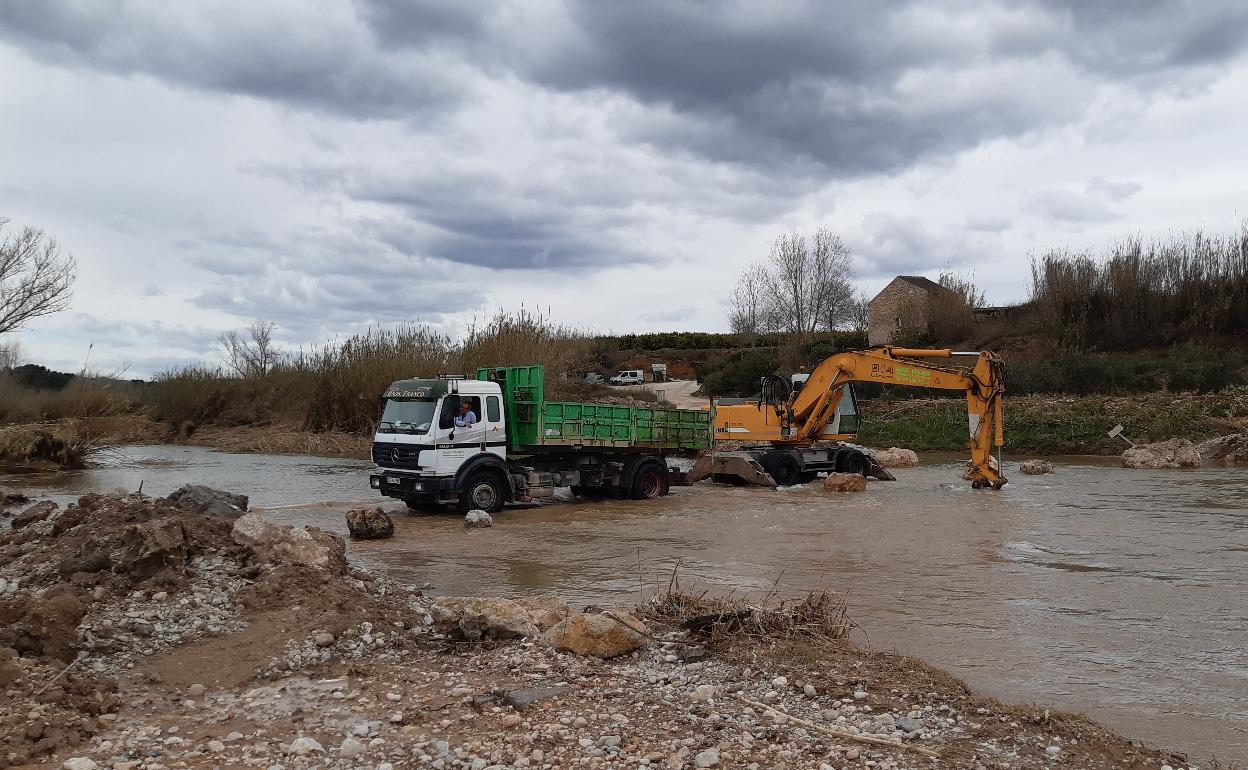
1142, 293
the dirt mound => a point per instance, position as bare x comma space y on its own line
48, 707
112, 541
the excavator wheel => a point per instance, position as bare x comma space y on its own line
784, 468
855, 463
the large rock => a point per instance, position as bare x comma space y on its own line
369, 524
844, 482
208, 501
478, 519
896, 457
472, 619
279, 543
546, 610
147, 548
34, 514
599, 635
1036, 467
1231, 449
1175, 453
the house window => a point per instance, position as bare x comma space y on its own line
898, 322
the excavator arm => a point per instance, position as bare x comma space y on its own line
801, 417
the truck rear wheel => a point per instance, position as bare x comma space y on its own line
482, 492
650, 482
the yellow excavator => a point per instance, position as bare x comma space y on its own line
797, 423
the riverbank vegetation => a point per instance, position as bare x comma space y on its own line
1058, 424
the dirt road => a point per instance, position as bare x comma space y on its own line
679, 393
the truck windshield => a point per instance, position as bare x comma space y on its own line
407, 415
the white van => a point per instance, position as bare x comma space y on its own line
628, 377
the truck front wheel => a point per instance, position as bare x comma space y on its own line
651, 481
483, 492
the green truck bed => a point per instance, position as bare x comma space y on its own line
534, 424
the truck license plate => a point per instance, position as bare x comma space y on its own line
392, 479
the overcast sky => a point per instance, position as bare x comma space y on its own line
330, 165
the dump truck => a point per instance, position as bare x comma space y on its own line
521, 447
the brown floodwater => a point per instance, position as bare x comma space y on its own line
1119, 593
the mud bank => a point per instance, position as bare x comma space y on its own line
135, 633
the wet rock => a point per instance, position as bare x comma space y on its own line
1036, 467
598, 635
896, 457
1175, 453
546, 610
473, 619
35, 513
844, 482
13, 498
198, 498
475, 519
1231, 449
278, 543
369, 524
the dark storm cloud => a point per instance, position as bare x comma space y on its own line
300, 55
834, 88
840, 89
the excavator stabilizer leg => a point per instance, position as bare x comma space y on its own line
732, 467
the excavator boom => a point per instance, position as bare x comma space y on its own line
792, 419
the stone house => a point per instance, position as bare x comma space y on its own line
905, 303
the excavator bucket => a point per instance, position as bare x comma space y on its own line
731, 468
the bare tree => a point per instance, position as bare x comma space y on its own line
36, 278
860, 314
11, 354
805, 285
832, 290
749, 305
251, 352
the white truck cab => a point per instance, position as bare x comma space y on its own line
422, 442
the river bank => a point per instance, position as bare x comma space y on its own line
206, 648
1058, 425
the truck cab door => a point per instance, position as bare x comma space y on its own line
495, 427
455, 443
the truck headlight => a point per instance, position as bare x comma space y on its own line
374, 482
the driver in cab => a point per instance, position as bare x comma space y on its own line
466, 417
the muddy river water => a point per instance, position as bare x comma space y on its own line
1119, 593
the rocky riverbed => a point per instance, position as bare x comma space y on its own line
141, 633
